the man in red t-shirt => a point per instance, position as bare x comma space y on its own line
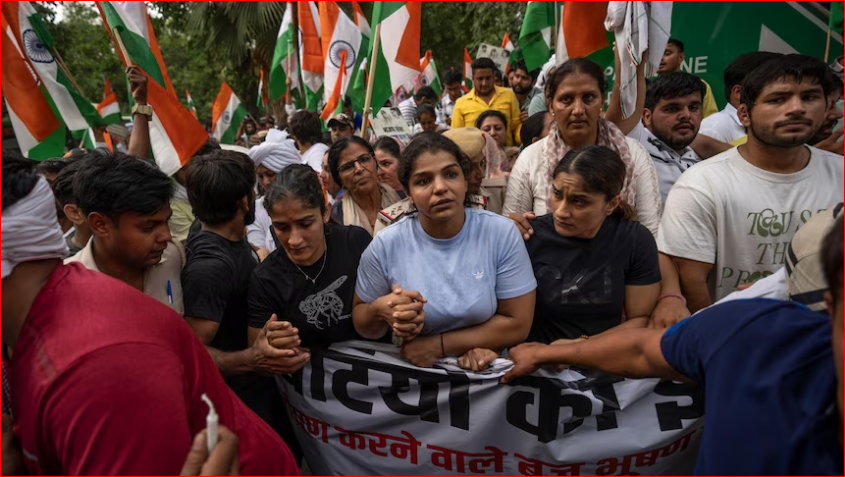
105, 380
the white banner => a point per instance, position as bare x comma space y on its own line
389, 122
359, 409
500, 56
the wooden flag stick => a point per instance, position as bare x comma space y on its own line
65, 70
123, 52
827, 46
369, 97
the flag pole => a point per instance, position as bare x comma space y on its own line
123, 52
557, 28
66, 71
369, 96
298, 46
827, 46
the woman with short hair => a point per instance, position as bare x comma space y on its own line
353, 166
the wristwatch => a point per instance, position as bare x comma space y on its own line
144, 109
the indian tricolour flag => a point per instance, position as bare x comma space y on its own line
261, 100
38, 128
334, 104
429, 76
37, 44
582, 31
507, 45
227, 114
108, 107
175, 134
357, 89
398, 55
467, 70
535, 37
191, 103
339, 34
311, 54
285, 63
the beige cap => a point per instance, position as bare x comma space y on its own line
805, 281
470, 140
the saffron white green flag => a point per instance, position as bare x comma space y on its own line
285, 63
535, 38
227, 114
32, 35
398, 55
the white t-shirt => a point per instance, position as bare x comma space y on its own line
258, 233
314, 156
729, 213
527, 191
723, 126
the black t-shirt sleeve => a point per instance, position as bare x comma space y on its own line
644, 267
259, 301
206, 287
359, 239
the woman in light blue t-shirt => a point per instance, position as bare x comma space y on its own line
449, 280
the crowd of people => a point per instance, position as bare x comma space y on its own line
523, 221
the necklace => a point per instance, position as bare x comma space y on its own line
325, 257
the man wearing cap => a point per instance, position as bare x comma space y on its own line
341, 125
771, 371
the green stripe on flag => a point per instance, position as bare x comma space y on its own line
229, 136
86, 109
136, 46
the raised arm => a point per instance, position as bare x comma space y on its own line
139, 143
614, 108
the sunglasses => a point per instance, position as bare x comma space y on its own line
363, 159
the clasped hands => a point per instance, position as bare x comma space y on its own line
277, 349
404, 312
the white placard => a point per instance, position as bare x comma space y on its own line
389, 122
500, 56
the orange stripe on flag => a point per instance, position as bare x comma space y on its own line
334, 100
583, 28
22, 92
426, 60
220, 103
312, 51
186, 133
329, 12
11, 12
409, 49
505, 40
157, 54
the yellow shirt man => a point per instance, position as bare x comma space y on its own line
469, 107
708, 105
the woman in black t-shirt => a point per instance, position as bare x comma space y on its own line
308, 283
594, 263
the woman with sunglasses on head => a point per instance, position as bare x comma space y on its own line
353, 166
450, 280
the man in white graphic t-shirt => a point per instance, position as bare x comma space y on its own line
729, 220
